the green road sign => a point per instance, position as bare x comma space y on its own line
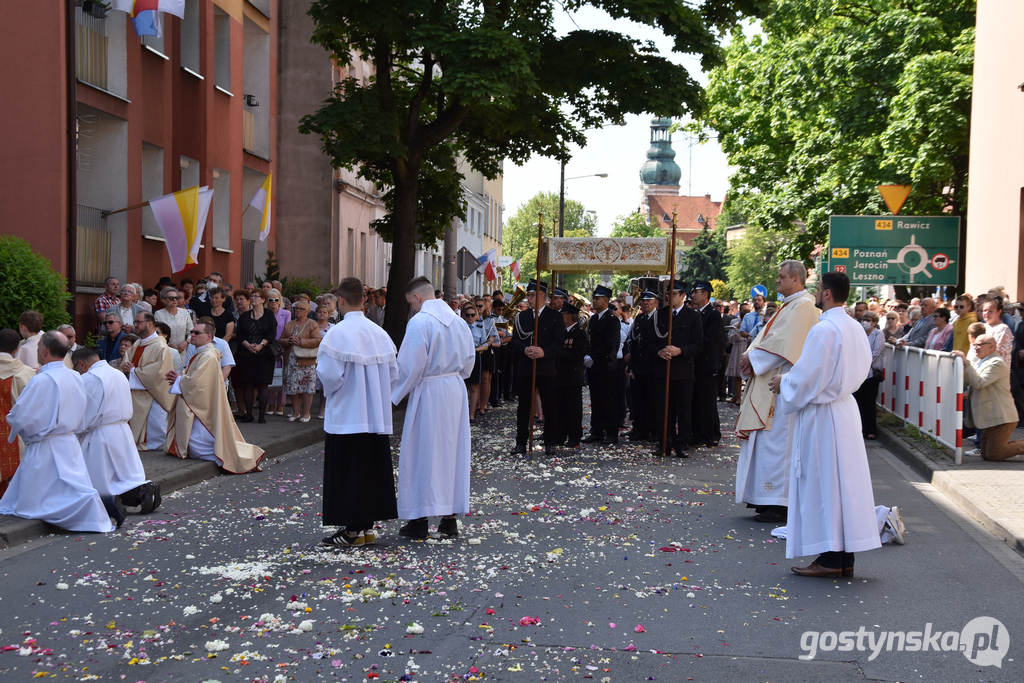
895, 250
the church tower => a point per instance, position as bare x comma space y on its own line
660, 173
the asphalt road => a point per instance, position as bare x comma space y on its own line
608, 564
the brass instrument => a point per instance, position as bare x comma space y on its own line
579, 302
510, 310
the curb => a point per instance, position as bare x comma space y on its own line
16, 530
933, 473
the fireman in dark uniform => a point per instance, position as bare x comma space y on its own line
544, 348
567, 408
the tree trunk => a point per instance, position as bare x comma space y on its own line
403, 257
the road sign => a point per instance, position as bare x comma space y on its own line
895, 250
466, 263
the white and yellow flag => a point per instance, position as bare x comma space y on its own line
181, 217
261, 201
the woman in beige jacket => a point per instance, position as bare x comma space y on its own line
992, 408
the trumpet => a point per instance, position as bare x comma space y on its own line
510, 310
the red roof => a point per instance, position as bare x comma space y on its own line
687, 209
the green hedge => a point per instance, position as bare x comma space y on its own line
27, 281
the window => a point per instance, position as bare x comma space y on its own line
156, 43
152, 185
189, 172
221, 49
256, 88
351, 246
221, 209
101, 58
190, 37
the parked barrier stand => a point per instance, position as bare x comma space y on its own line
924, 388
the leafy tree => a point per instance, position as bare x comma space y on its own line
705, 258
754, 259
632, 225
520, 235
721, 290
488, 80
29, 282
838, 96
272, 271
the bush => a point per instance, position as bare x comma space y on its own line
313, 286
27, 281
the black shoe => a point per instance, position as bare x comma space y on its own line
150, 498
246, 418
415, 528
133, 498
659, 451
550, 452
573, 446
448, 526
342, 539
520, 449
680, 452
611, 440
115, 508
594, 438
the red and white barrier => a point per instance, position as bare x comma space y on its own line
926, 389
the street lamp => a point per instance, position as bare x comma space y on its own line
561, 204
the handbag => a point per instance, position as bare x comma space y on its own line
304, 352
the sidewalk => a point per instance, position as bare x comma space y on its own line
277, 437
991, 492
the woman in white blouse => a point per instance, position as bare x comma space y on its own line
178, 319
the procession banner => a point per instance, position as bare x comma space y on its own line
621, 254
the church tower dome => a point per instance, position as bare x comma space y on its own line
660, 167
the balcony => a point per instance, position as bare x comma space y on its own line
91, 49
92, 260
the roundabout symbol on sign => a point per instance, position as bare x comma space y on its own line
940, 261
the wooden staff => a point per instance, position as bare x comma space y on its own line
668, 342
536, 332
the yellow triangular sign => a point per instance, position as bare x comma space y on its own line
894, 196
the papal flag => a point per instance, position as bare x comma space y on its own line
181, 217
261, 201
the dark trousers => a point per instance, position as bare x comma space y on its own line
619, 391
706, 428
642, 388
603, 418
835, 560
680, 399
865, 397
548, 398
566, 416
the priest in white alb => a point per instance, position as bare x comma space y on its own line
435, 359
14, 377
356, 365
52, 483
831, 503
765, 425
201, 425
111, 457
147, 363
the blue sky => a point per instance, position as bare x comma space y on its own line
618, 151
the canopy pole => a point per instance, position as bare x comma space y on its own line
668, 342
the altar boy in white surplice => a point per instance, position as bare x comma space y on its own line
831, 504
435, 359
111, 457
52, 483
